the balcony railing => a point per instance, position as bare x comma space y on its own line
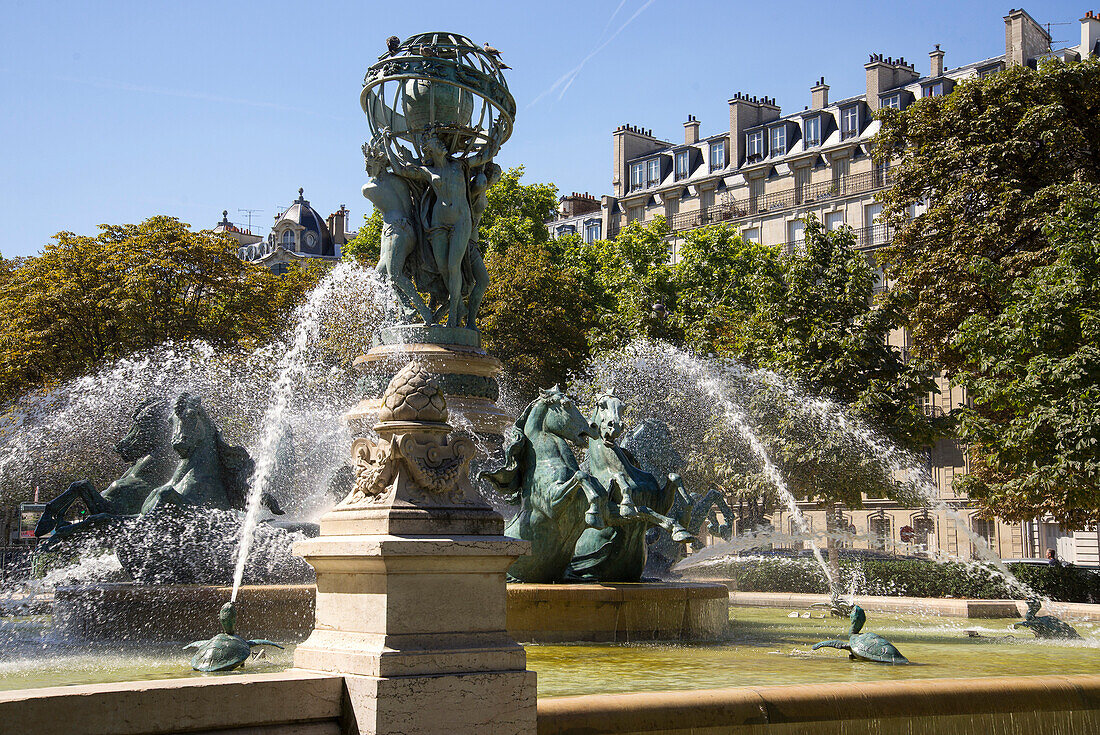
867, 238
844, 186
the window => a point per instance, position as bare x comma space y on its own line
634, 214
637, 172
779, 140
879, 527
591, 232
893, 101
755, 145
988, 71
683, 168
934, 90
811, 131
717, 155
751, 234
840, 171
794, 232
567, 230
984, 529
288, 240
653, 172
849, 122
834, 221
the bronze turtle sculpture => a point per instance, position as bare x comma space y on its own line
865, 646
225, 651
1045, 626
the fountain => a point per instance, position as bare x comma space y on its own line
416, 627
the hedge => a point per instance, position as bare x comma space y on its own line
909, 578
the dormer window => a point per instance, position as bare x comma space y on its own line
591, 231
567, 230
717, 154
755, 147
637, 176
849, 122
778, 141
892, 101
653, 172
811, 131
683, 165
935, 89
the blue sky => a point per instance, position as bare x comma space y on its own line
117, 111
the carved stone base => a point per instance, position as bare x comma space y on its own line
466, 373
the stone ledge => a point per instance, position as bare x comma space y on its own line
973, 705
176, 705
961, 608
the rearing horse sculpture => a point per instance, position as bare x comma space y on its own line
618, 553
146, 447
557, 500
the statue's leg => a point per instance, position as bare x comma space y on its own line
481, 284
627, 507
597, 514
456, 251
165, 495
54, 513
403, 243
678, 532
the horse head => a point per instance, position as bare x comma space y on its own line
552, 412
608, 417
557, 414
190, 424
148, 432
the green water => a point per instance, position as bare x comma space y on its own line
763, 647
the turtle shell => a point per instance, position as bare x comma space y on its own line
221, 653
873, 647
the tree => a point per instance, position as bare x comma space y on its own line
988, 160
515, 213
366, 246
718, 279
816, 321
1033, 373
88, 299
534, 317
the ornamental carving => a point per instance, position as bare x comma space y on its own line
414, 459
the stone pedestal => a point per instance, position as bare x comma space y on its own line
411, 583
466, 374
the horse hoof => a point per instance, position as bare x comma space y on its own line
627, 510
680, 535
593, 520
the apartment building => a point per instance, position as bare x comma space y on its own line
766, 172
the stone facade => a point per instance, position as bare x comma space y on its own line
769, 170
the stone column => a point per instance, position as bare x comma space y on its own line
410, 582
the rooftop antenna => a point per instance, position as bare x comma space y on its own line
250, 212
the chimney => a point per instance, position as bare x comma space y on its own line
1090, 35
691, 130
1024, 38
884, 73
336, 224
627, 142
819, 95
936, 57
745, 112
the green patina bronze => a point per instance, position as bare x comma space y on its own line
1045, 626
208, 473
865, 646
617, 552
226, 650
557, 500
439, 109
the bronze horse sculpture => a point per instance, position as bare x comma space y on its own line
617, 553
557, 499
209, 473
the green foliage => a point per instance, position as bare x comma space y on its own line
989, 160
534, 317
812, 317
515, 212
1033, 374
626, 276
89, 299
366, 246
910, 578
